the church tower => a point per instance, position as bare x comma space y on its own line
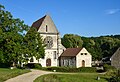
51, 37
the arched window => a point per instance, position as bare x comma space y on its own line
46, 28
83, 63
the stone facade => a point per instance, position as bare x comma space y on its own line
55, 53
51, 37
115, 59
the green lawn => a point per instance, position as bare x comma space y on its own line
81, 77
6, 73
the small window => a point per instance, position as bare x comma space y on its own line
81, 53
85, 53
55, 55
46, 28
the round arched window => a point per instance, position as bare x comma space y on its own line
49, 42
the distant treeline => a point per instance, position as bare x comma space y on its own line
99, 47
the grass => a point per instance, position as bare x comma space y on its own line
6, 73
79, 77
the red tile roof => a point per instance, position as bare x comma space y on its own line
38, 23
71, 52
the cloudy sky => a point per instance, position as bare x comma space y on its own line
83, 17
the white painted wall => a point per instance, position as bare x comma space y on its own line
87, 58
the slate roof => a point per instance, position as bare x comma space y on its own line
71, 52
38, 23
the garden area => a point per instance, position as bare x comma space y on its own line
78, 77
82, 74
6, 73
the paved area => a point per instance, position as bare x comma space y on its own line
28, 77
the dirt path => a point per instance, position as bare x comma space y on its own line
28, 77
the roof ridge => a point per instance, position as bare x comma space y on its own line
40, 21
71, 51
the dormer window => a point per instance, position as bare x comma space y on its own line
81, 53
85, 53
46, 28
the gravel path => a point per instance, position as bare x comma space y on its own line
28, 77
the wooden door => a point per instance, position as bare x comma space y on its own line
48, 62
83, 63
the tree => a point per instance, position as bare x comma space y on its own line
10, 37
14, 46
34, 44
71, 40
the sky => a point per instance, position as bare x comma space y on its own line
89, 18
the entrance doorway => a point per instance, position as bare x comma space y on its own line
83, 63
48, 62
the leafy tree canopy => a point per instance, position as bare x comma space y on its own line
14, 46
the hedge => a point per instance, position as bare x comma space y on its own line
67, 69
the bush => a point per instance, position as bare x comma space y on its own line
67, 69
4, 65
37, 65
115, 77
58, 69
33, 65
108, 67
87, 69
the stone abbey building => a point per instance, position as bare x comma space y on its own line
55, 53
51, 37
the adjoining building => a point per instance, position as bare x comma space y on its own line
75, 57
115, 59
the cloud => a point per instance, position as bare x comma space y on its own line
112, 11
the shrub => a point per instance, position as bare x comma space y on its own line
4, 65
108, 67
37, 65
87, 69
73, 70
67, 69
58, 69
33, 65
115, 77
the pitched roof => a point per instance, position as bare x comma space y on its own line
71, 51
38, 23
116, 54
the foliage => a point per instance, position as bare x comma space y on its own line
99, 47
67, 69
108, 67
10, 37
33, 65
33, 45
72, 41
38, 66
87, 69
10, 73
115, 77
78, 77
58, 69
15, 46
